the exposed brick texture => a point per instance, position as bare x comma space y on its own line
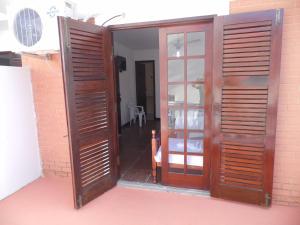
48, 92
286, 186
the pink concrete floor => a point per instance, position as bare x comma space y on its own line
49, 201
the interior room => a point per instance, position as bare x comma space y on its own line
136, 53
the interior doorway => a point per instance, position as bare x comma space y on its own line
184, 57
138, 86
145, 86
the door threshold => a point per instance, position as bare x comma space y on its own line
159, 187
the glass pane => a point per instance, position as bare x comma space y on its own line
195, 145
176, 141
195, 164
195, 69
195, 94
196, 43
176, 45
175, 94
176, 148
195, 119
195, 142
175, 70
176, 118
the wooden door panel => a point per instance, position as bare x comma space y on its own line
90, 97
246, 77
186, 95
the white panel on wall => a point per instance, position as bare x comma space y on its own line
19, 150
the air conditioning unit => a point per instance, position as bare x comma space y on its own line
33, 25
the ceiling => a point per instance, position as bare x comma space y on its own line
138, 38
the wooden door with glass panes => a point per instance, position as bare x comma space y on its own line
186, 77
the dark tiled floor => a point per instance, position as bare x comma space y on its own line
135, 152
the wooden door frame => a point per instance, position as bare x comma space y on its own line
163, 23
117, 90
160, 24
184, 179
154, 94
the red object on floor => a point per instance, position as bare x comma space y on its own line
49, 201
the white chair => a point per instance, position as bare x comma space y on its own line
137, 111
133, 113
141, 115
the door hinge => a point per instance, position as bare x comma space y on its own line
267, 200
278, 16
79, 201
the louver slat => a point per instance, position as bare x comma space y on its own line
237, 101
89, 92
245, 86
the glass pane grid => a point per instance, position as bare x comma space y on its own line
186, 102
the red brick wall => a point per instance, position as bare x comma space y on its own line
286, 189
48, 92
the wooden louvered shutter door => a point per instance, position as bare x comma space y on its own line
247, 51
89, 92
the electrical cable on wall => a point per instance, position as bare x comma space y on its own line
97, 14
120, 15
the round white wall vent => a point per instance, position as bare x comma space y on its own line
28, 27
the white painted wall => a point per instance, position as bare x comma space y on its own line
134, 11
19, 150
127, 78
138, 11
151, 54
127, 81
